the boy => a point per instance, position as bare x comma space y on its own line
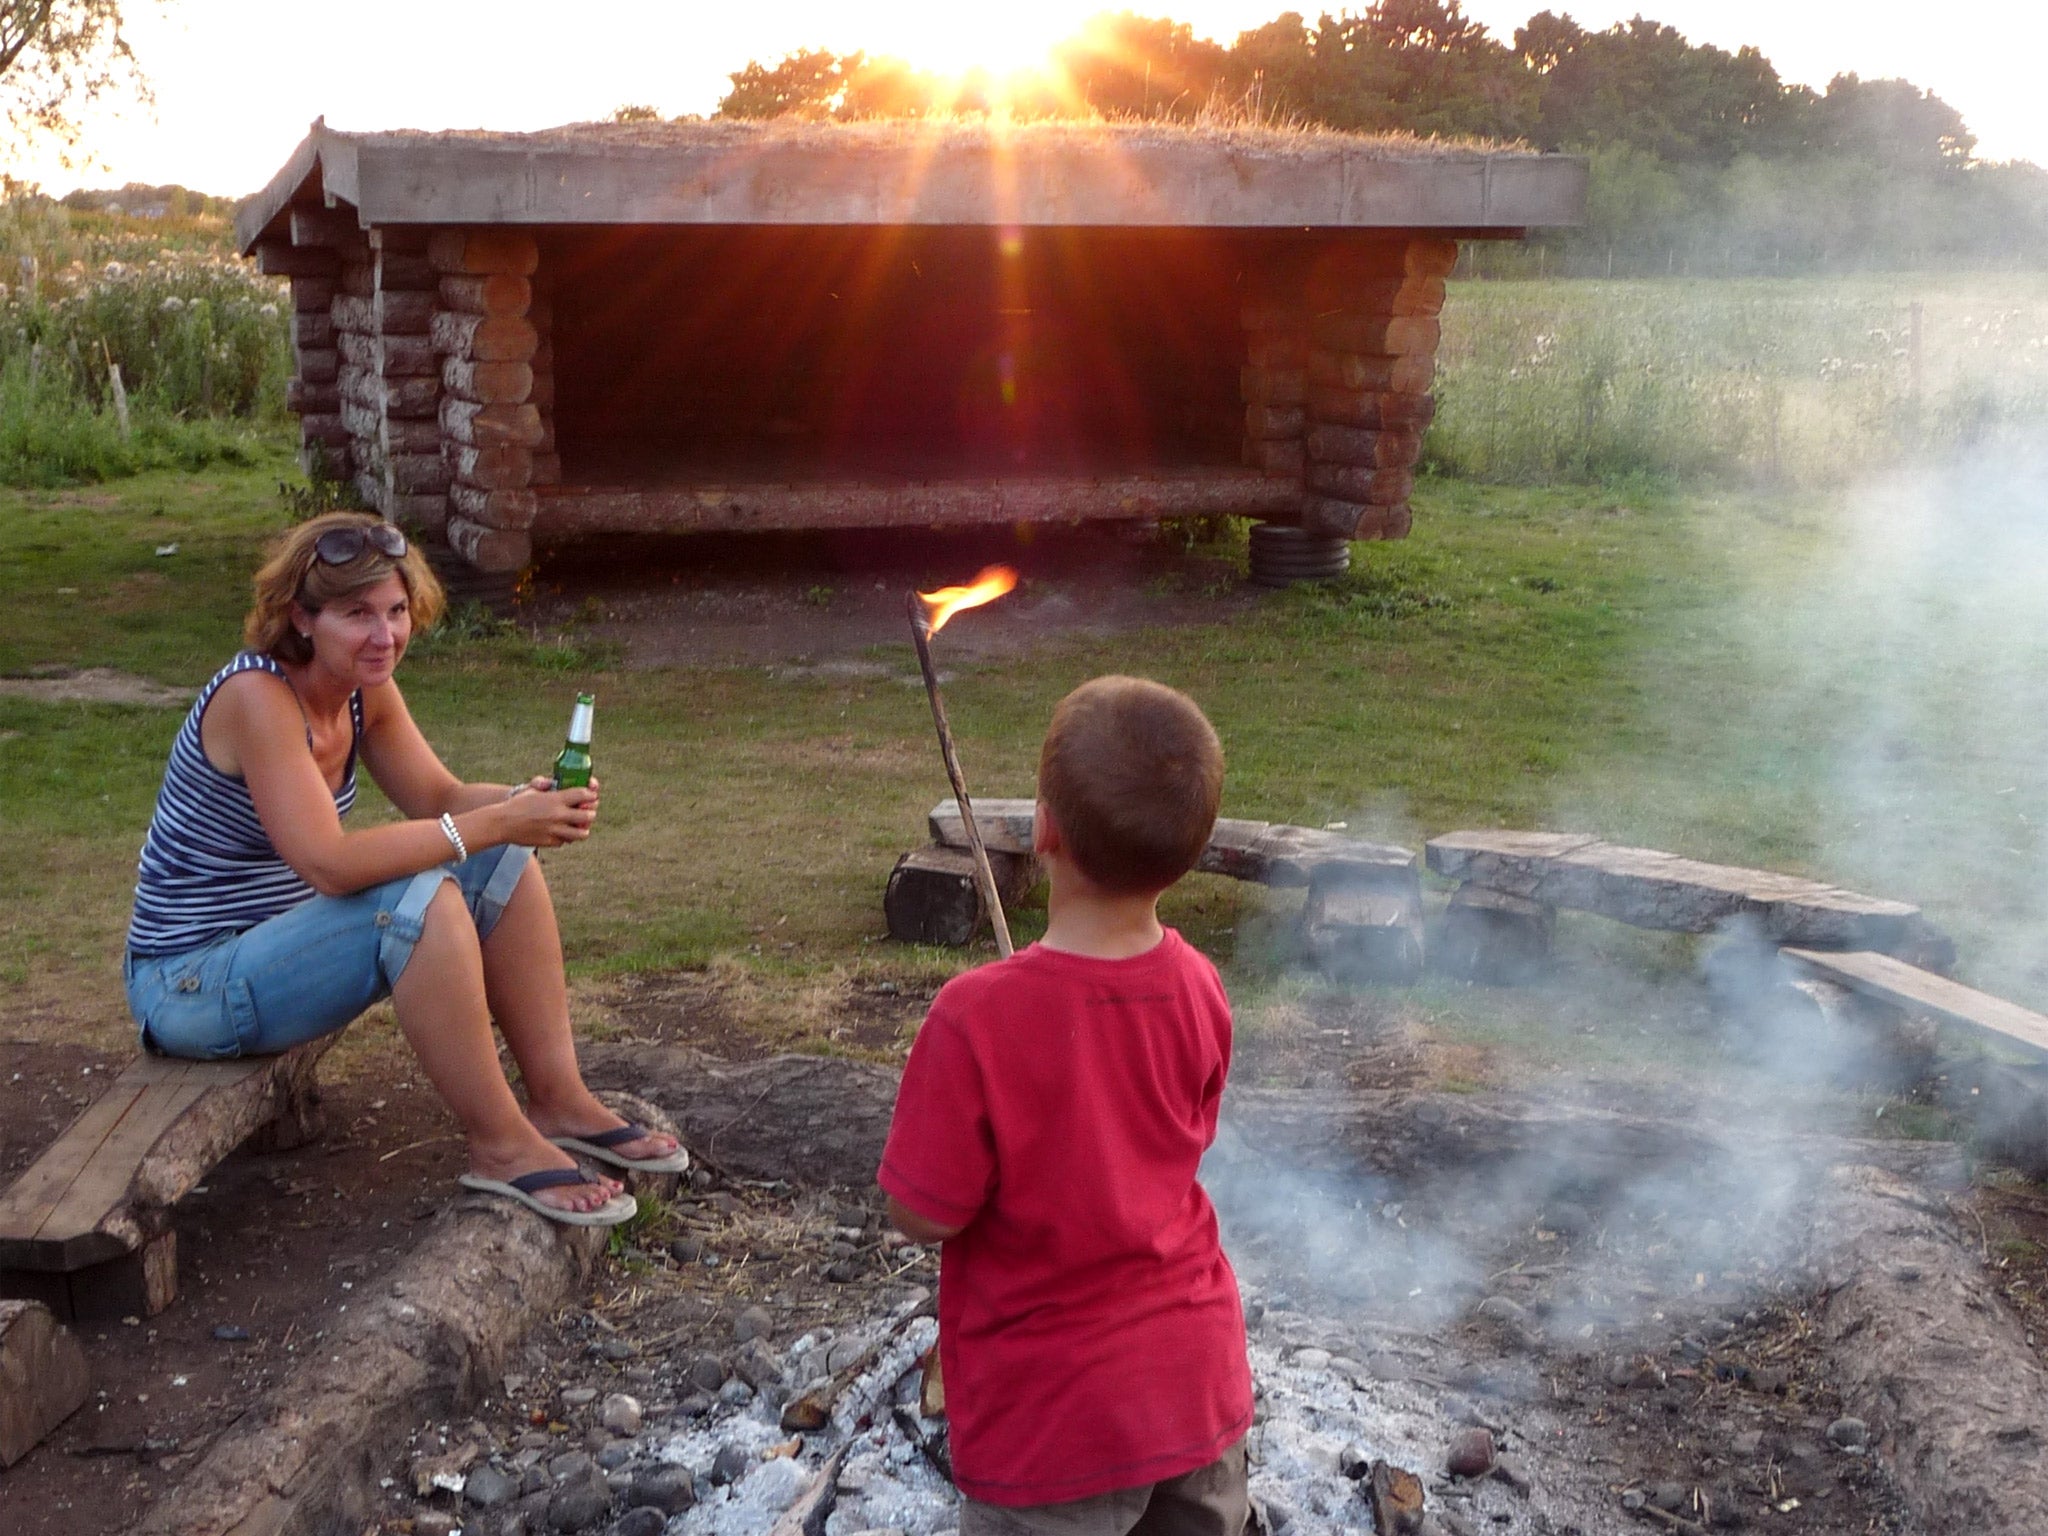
1051, 1118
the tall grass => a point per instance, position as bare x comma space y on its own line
201, 342
1795, 381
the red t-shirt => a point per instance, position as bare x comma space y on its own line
1056, 1107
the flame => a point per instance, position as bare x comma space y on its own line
941, 605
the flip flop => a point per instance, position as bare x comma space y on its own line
599, 1144
523, 1189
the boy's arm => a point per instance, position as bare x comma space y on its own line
917, 1228
939, 1163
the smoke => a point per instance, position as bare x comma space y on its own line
1875, 714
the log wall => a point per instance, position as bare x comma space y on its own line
486, 331
1371, 359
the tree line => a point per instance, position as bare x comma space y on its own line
1701, 160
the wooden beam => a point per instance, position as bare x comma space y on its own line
1894, 981
581, 509
1648, 889
1267, 853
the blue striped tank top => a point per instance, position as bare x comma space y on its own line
207, 866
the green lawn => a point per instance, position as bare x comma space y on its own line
1569, 658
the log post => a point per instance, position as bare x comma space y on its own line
313, 394
1492, 937
1371, 361
1364, 927
43, 1377
934, 896
486, 338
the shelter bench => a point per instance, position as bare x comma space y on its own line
86, 1230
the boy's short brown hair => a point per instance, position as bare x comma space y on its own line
1132, 772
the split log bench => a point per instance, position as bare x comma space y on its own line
1362, 920
87, 1229
1487, 937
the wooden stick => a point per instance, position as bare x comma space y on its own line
920, 634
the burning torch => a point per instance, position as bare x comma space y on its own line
929, 612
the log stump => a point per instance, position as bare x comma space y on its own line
1361, 930
43, 1377
933, 897
1491, 937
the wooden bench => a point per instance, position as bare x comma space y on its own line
1362, 920
87, 1229
1906, 986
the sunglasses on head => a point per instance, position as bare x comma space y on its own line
338, 546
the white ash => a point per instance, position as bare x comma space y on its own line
1316, 1404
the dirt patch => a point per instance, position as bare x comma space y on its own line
269, 1249
95, 685
817, 605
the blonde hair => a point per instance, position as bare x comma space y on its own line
292, 574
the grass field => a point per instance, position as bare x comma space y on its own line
1672, 668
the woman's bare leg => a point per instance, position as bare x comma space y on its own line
441, 1005
529, 997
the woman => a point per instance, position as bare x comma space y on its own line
260, 922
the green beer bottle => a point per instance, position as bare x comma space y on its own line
572, 768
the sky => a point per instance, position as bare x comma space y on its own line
237, 81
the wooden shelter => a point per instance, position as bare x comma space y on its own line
720, 326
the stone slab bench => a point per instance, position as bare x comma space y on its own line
86, 1230
1892, 980
1648, 889
1362, 920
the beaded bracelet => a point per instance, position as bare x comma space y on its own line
454, 837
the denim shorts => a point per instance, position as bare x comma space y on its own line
304, 973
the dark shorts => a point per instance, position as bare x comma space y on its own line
1209, 1501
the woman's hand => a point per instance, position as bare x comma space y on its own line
548, 818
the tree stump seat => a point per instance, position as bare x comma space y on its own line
86, 1230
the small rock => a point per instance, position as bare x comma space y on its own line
840, 1271
758, 1365
535, 1479
707, 1373
839, 1248
843, 1353
572, 1467
231, 1333
1747, 1444
1500, 1309
700, 1179
579, 1505
1633, 1499
1505, 1471
435, 1522
1770, 1379
578, 1397
755, 1322
1312, 1359
851, 1216
618, 1482
614, 1349
620, 1414
616, 1455
1670, 1497
643, 1521
730, 1464
487, 1487
669, 1489
1471, 1454
1354, 1462
696, 1405
686, 1250
1849, 1433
